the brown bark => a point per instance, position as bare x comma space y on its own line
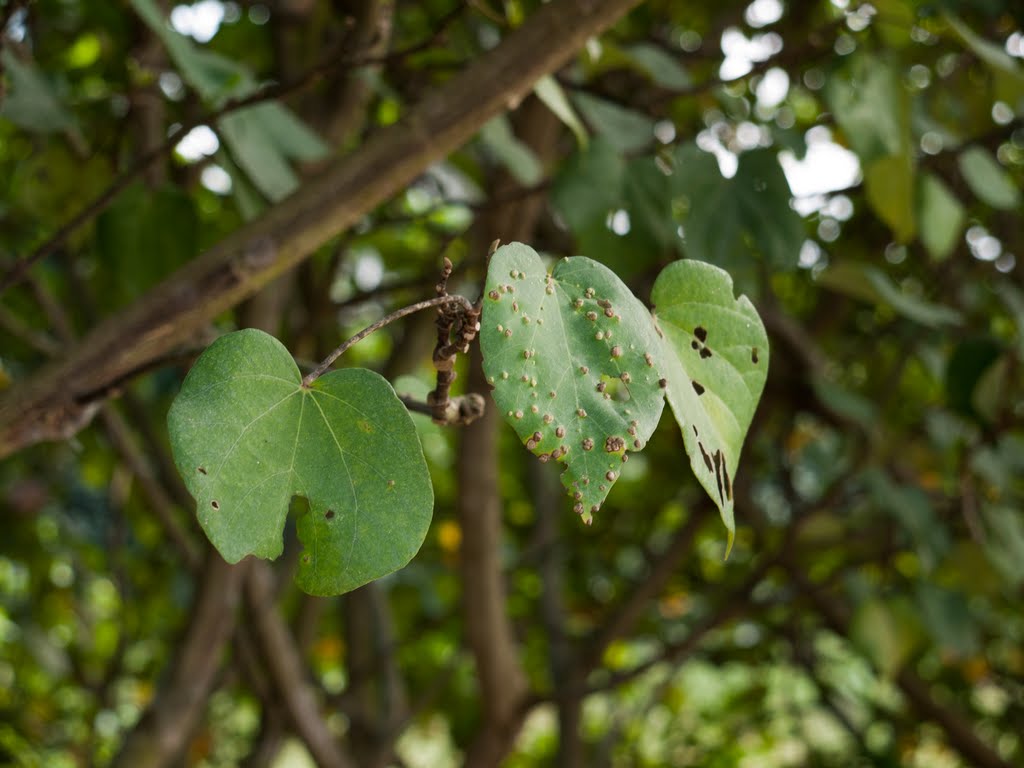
287, 672
60, 399
491, 636
163, 733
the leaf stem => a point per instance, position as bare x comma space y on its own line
315, 374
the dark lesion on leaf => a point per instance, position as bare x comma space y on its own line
704, 455
753, 355
701, 333
215, 504
329, 514
201, 470
698, 387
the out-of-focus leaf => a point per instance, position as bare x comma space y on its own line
988, 179
732, 218
912, 509
894, 21
1005, 541
553, 95
715, 355
145, 235
869, 283
626, 130
995, 56
215, 77
947, 618
590, 185
888, 631
262, 139
657, 64
517, 157
870, 106
31, 102
889, 184
940, 216
967, 363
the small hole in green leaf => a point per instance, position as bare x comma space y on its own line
215, 504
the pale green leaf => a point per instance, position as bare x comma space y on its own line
247, 437
889, 184
576, 385
517, 157
663, 69
988, 179
869, 283
31, 102
626, 129
553, 95
940, 216
715, 353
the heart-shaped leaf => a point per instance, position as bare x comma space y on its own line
247, 437
716, 359
572, 356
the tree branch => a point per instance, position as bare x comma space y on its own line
50, 404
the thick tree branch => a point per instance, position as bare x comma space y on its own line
52, 404
163, 733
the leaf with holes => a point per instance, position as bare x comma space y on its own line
247, 437
572, 357
716, 359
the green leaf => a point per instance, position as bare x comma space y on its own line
940, 216
716, 361
262, 139
215, 77
553, 95
625, 129
988, 179
576, 385
871, 108
729, 219
888, 632
247, 437
145, 235
31, 102
663, 69
889, 184
869, 283
517, 157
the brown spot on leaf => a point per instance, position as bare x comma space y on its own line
705, 353
704, 455
329, 514
201, 470
588, 444
753, 355
614, 444
698, 387
215, 504
701, 333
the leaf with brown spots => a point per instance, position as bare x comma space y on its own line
590, 367
714, 381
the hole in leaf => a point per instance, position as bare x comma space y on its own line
701, 333
698, 388
215, 504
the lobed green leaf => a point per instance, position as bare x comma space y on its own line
247, 437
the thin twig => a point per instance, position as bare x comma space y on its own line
386, 320
270, 92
